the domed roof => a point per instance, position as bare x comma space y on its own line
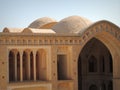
40, 22
72, 24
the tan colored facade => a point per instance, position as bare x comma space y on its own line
61, 61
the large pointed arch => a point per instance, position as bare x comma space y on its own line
109, 35
90, 67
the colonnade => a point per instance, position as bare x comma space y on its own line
26, 65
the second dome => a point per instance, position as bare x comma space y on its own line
72, 24
41, 22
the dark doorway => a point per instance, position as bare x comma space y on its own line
62, 67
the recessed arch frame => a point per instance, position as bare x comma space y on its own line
109, 35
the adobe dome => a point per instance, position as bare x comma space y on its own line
40, 22
72, 24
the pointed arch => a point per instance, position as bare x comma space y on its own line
11, 66
109, 35
90, 56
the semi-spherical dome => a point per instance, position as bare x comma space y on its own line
72, 24
40, 22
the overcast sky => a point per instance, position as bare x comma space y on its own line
20, 13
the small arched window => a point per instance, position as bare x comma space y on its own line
92, 64
93, 87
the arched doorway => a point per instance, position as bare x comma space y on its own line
94, 64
